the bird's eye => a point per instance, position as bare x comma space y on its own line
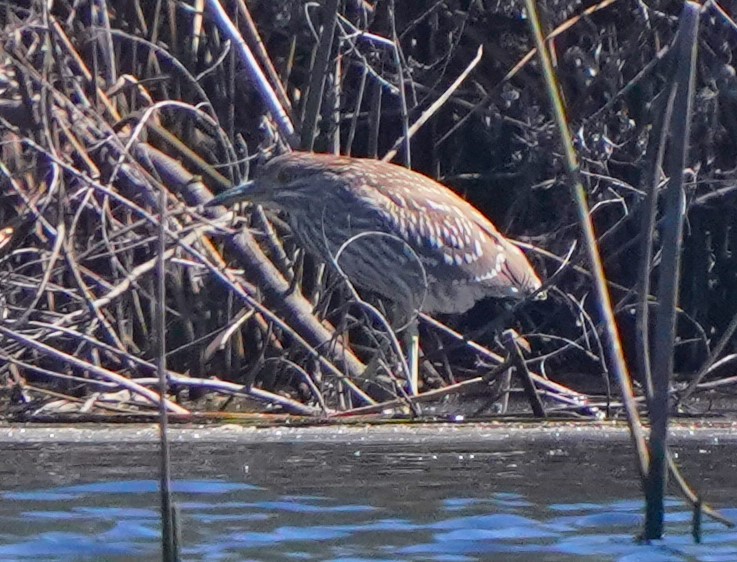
284, 176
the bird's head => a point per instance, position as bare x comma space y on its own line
284, 183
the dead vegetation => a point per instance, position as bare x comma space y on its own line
101, 111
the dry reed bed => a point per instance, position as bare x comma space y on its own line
101, 111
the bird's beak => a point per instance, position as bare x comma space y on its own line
243, 192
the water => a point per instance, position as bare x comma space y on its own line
430, 493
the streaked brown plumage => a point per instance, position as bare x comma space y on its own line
379, 219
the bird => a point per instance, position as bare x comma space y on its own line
391, 231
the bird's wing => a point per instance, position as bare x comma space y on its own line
450, 233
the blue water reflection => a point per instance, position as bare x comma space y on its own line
309, 502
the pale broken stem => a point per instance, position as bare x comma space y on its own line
430, 111
234, 389
226, 25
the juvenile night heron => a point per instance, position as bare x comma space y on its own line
390, 230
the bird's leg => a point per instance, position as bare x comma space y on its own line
409, 326
412, 344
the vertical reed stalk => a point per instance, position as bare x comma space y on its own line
614, 346
665, 322
169, 543
319, 74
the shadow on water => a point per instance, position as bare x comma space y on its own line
354, 499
